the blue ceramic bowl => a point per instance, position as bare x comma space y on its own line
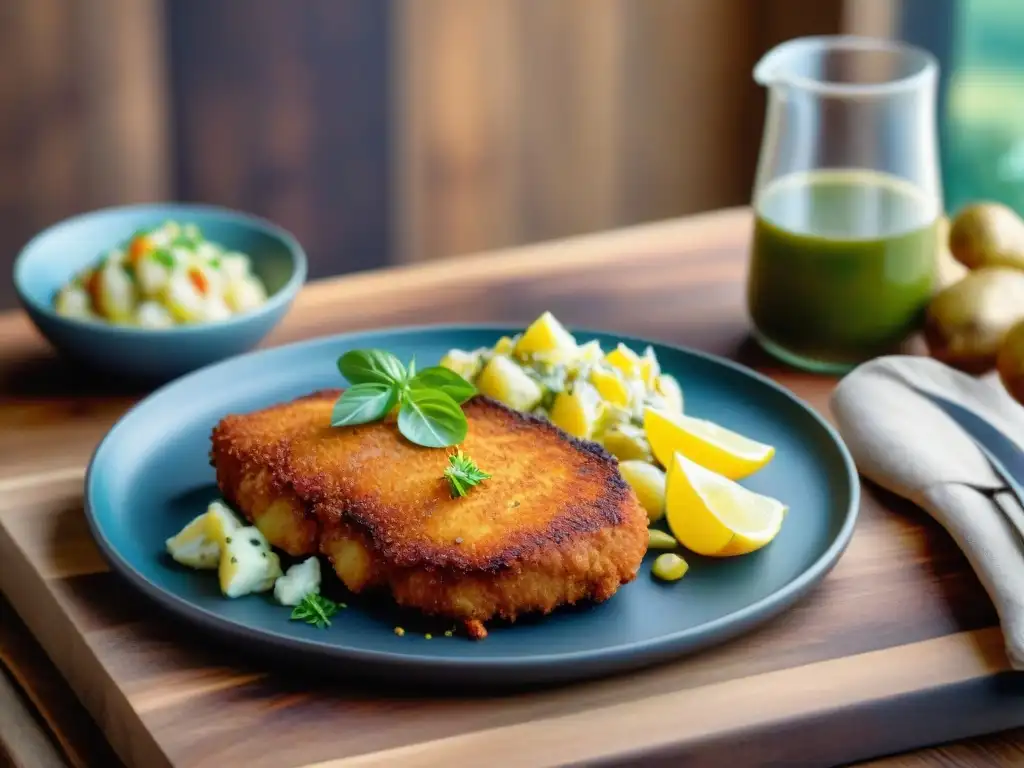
52, 257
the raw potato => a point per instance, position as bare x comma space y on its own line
648, 481
988, 235
1010, 362
966, 322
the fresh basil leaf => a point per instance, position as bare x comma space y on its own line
432, 419
445, 380
363, 403
371, 366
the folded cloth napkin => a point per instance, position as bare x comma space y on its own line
907, 444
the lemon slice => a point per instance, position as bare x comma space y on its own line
712, 515
610, 385
717, 448
545, 335
577, 412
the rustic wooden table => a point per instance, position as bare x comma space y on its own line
897, 649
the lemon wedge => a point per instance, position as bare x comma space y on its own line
545, 335
717, 448
577, 412
712, 515
611, 386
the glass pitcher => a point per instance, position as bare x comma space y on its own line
847, 200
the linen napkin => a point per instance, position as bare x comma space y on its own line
907, 444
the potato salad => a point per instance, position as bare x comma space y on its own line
162, 277
588, 391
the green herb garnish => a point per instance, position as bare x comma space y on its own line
463, 474
164, 256
315, 609
429, 412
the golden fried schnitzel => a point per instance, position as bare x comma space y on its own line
555, 524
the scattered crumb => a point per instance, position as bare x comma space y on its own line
343, 605
399, 631
448, 633
428, 636
458, 540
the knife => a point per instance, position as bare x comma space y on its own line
1005, 455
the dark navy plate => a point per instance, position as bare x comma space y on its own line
151, 474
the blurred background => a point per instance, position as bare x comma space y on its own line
391, 131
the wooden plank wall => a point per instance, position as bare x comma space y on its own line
528, 119
281, 108
386, 130
80, 128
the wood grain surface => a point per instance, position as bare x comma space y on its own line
898, 647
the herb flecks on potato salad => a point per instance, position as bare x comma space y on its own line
162, 277
682, 468
584, 390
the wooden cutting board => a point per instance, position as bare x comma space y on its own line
898, 647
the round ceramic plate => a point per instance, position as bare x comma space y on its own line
151, 475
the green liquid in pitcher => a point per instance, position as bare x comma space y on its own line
842, 268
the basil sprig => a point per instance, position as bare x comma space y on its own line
429, 412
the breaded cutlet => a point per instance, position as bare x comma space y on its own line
555, 524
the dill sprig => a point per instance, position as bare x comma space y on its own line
463, 473
315, 609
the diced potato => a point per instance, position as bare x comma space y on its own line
503, 379
648, 481
150, 314
298, 581
113, 293
247, 564
577, 412
73, 301
214, 309
504, 346
220, 523
649, 367
245, 295
197, 544
626, 360
627, 442
610, 385
234, 266
466, 364
152, 274
207, 251
590, 353
183, 299
546, 336
668, 387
